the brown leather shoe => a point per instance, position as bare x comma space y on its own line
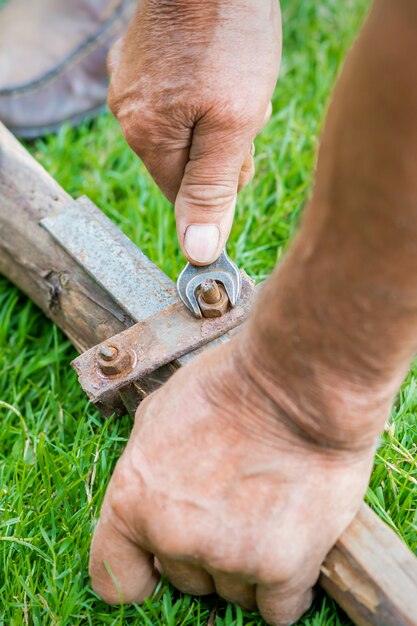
53, 60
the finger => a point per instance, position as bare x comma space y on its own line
188, 578
206, 200
166, 166
248, 170
280, 606
121, 572
236, 591
164, 148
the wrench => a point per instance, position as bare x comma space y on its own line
223, 271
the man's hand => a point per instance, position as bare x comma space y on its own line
226, 495
191, 84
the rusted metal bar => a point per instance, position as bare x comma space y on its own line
143, 348
111, 259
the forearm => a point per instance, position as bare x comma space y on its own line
340, 314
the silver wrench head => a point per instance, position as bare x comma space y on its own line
223, 271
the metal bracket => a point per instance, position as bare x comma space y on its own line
141, 349
139, 287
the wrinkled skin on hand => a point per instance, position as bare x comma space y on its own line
224, 494
191, 84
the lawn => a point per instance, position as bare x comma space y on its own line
57, 452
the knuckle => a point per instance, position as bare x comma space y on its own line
138, 130
141, 127
232, 114
117, 505
169, 545
107, 593
284, 609
230, 559
118, 498
171, 540
232, 566
279, 567
208, 194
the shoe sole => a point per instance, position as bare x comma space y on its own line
34, 132
119, 18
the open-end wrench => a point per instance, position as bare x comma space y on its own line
223, 271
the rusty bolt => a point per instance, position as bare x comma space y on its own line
212, 299
210, 291
112, 360
108, 353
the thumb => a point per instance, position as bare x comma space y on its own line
206, 200
121, 571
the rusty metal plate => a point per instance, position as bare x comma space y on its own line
157, 341
138, 286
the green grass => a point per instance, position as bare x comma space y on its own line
57, 452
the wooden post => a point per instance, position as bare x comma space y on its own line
370, 572
31, 259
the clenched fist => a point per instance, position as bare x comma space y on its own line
225, 494
191, 84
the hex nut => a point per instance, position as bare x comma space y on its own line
112, 360
215, 309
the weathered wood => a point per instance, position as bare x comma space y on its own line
370, 571
372, 574
30, 258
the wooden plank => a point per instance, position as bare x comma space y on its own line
370, 571
30, 258
372, 574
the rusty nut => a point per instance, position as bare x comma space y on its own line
112, 360
212, 299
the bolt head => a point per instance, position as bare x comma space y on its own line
112, 360
210, 291
108, 353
